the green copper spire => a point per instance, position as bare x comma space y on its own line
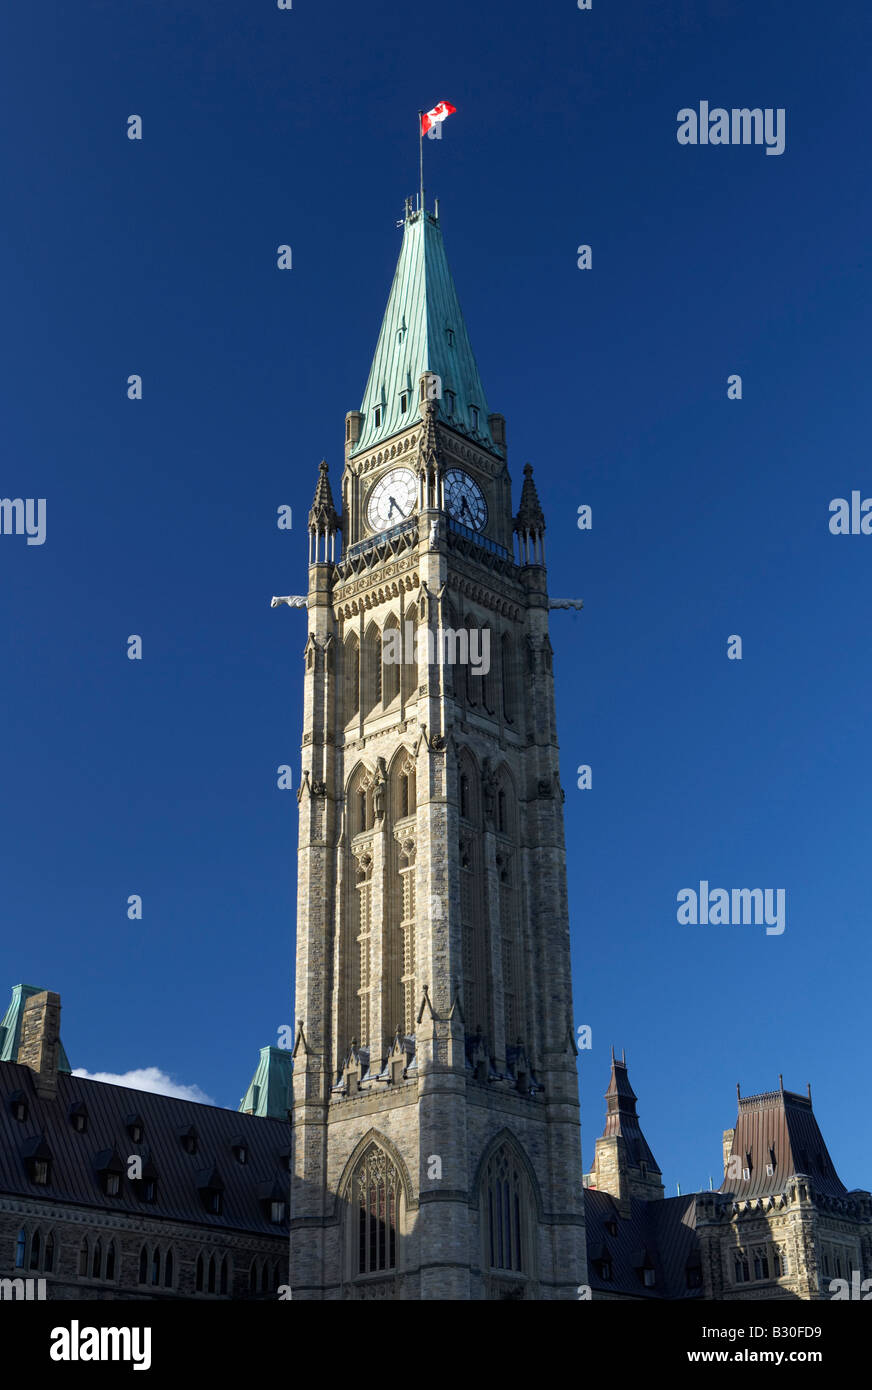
10, 1028
423, 331
270, 1091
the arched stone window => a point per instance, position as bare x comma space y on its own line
376, 1195
474, 689
409, 669
392, 659
508, 1224
21, 1249
361, 812
474, 919
371, 671
507, 676
351, 677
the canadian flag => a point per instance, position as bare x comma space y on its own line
440, 112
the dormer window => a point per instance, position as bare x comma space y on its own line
211, 1191
449, 333
377, 415
189, 1140
79, 1118
18, 1106
109, 1169
135, 1128
451, 400
473, 415
273, 1201
612, 1228
404, 401
240, 1149
38, 1159
146, 1184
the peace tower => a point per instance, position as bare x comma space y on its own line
435, 1104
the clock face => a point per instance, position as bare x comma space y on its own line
465, 499
392, 499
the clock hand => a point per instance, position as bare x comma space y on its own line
391, 507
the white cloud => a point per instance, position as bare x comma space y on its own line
148, 1079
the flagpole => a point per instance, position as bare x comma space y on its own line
421, 155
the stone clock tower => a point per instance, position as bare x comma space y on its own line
436, 1123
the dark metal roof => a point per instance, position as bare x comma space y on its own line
778, 1129
621, 1117
661, 1233
76, 1157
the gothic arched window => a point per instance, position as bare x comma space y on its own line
21, 1249
391, 665
351, 666
409, 668
371, 671
375, 1196
507, 676
507, 1214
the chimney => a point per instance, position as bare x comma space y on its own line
729, 1135
40, 1041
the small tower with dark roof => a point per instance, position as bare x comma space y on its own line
623, 1163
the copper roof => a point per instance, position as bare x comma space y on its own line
777, 1130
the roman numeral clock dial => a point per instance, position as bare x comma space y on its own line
464, 499
392, 499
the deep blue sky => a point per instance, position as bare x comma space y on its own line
710, 516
